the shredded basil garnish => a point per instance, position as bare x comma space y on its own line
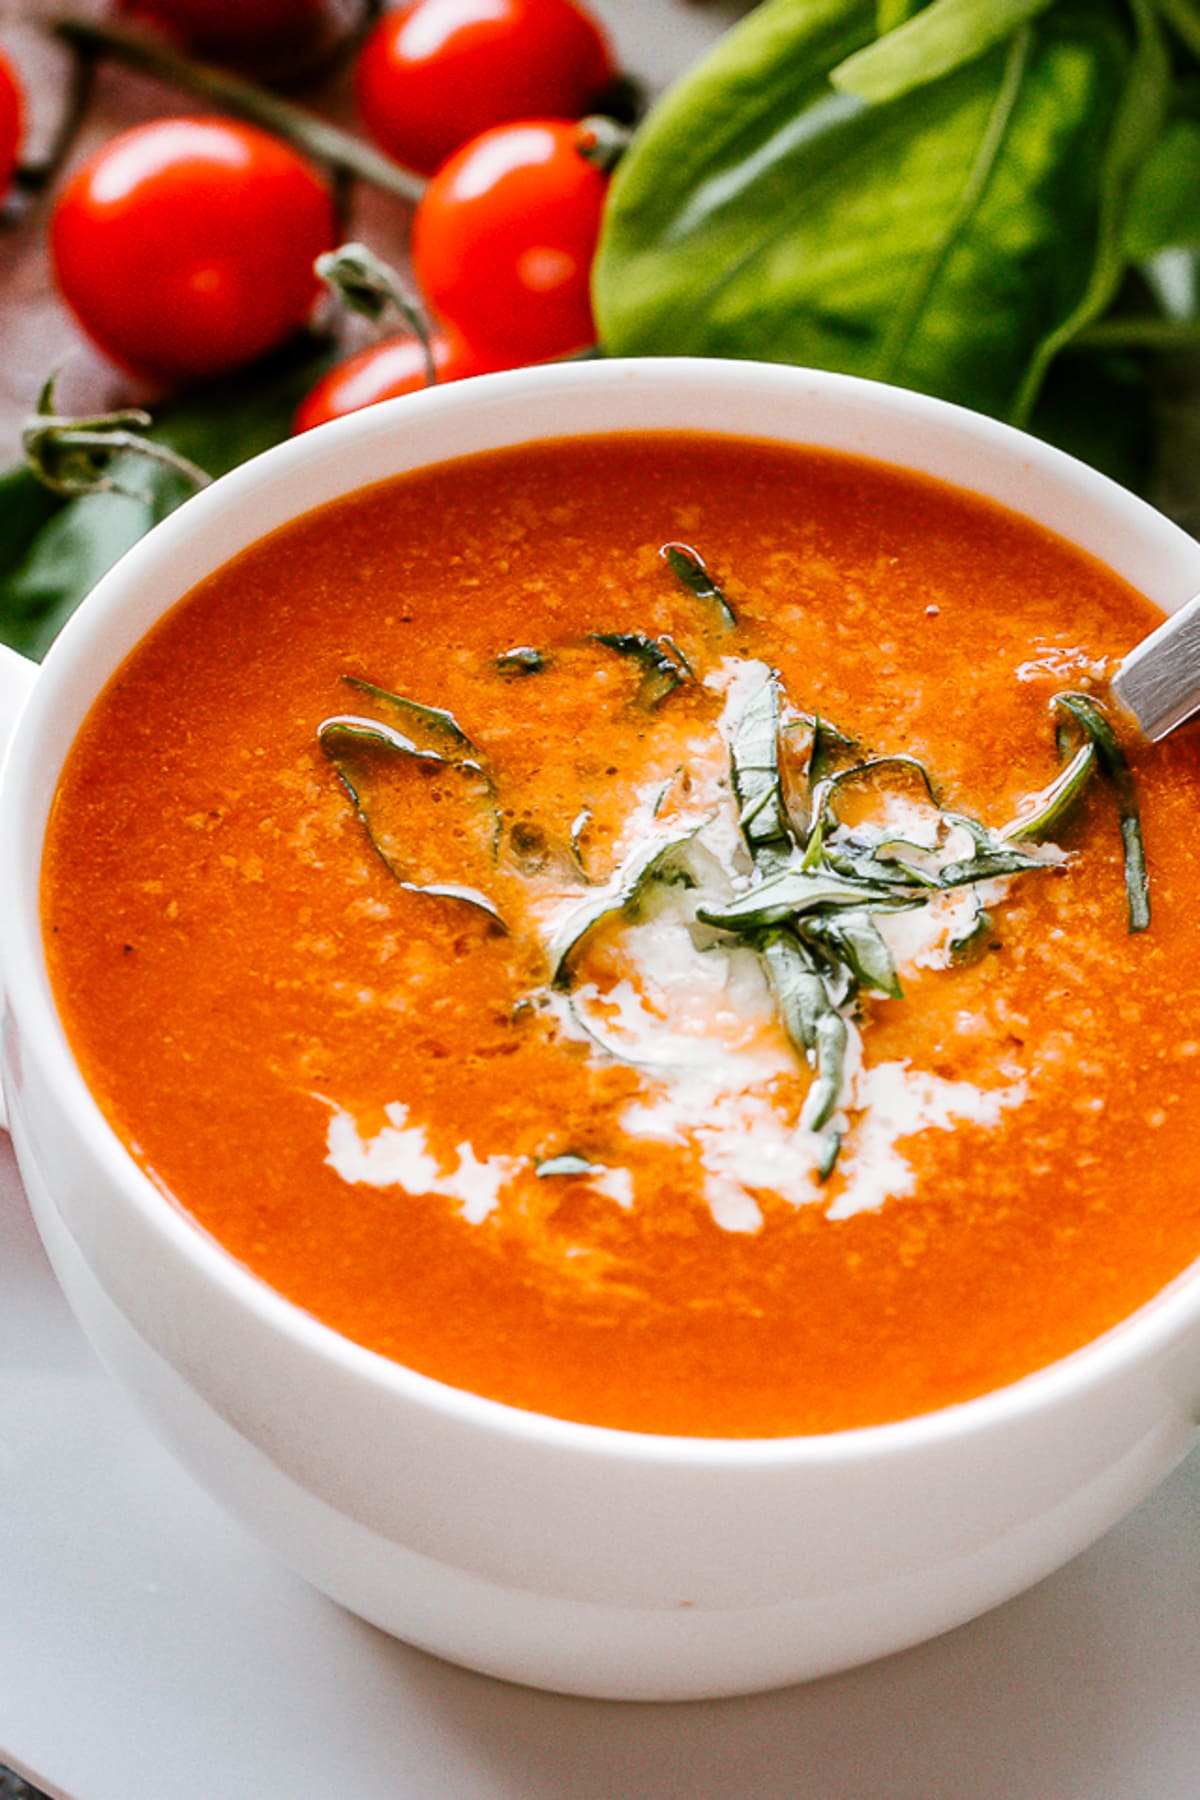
690, 568
663, 664
817, 887
619, 895
1110, 758
569, 1163
523, 659
429, 721
359, 750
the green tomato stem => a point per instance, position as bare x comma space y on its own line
327, 143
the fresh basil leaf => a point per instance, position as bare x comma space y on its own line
1183, 16
55, 551
1039, 813
796, 892
951, 240
1164, 207
942, 37
826, 1090
800, 993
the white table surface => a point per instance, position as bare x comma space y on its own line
149, 1650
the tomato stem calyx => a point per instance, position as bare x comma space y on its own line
73, 456
365, 284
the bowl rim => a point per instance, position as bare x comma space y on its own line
1152, 1330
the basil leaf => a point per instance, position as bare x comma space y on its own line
800, 993
826, 1090
649, 862
855, 940
523, 659
1040, 812
1111, 757
943, 36
797, 892
1164, 208
757, 782
375, 764
567, 1164
970, 943
664, 666
951, 240
429, 721
689, 567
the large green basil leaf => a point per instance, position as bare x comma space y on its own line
943, 36
52, 551
950, 240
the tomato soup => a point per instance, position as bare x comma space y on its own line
653, 930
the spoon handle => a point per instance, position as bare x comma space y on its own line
1159, 681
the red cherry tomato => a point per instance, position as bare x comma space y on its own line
503, 240
11, 123
231, 25
185, 247
434, 73
385, 370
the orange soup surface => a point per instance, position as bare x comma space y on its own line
612, 926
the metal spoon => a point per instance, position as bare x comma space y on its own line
1159, 681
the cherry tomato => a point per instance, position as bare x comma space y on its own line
231, 25
503, 240
185, 247
385, 370
11, 122
434, 73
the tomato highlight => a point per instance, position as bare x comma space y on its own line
185, 246
435, 73
504, 236
385, 371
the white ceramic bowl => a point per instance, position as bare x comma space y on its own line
587, 1560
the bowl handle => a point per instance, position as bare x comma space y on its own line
17, 676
